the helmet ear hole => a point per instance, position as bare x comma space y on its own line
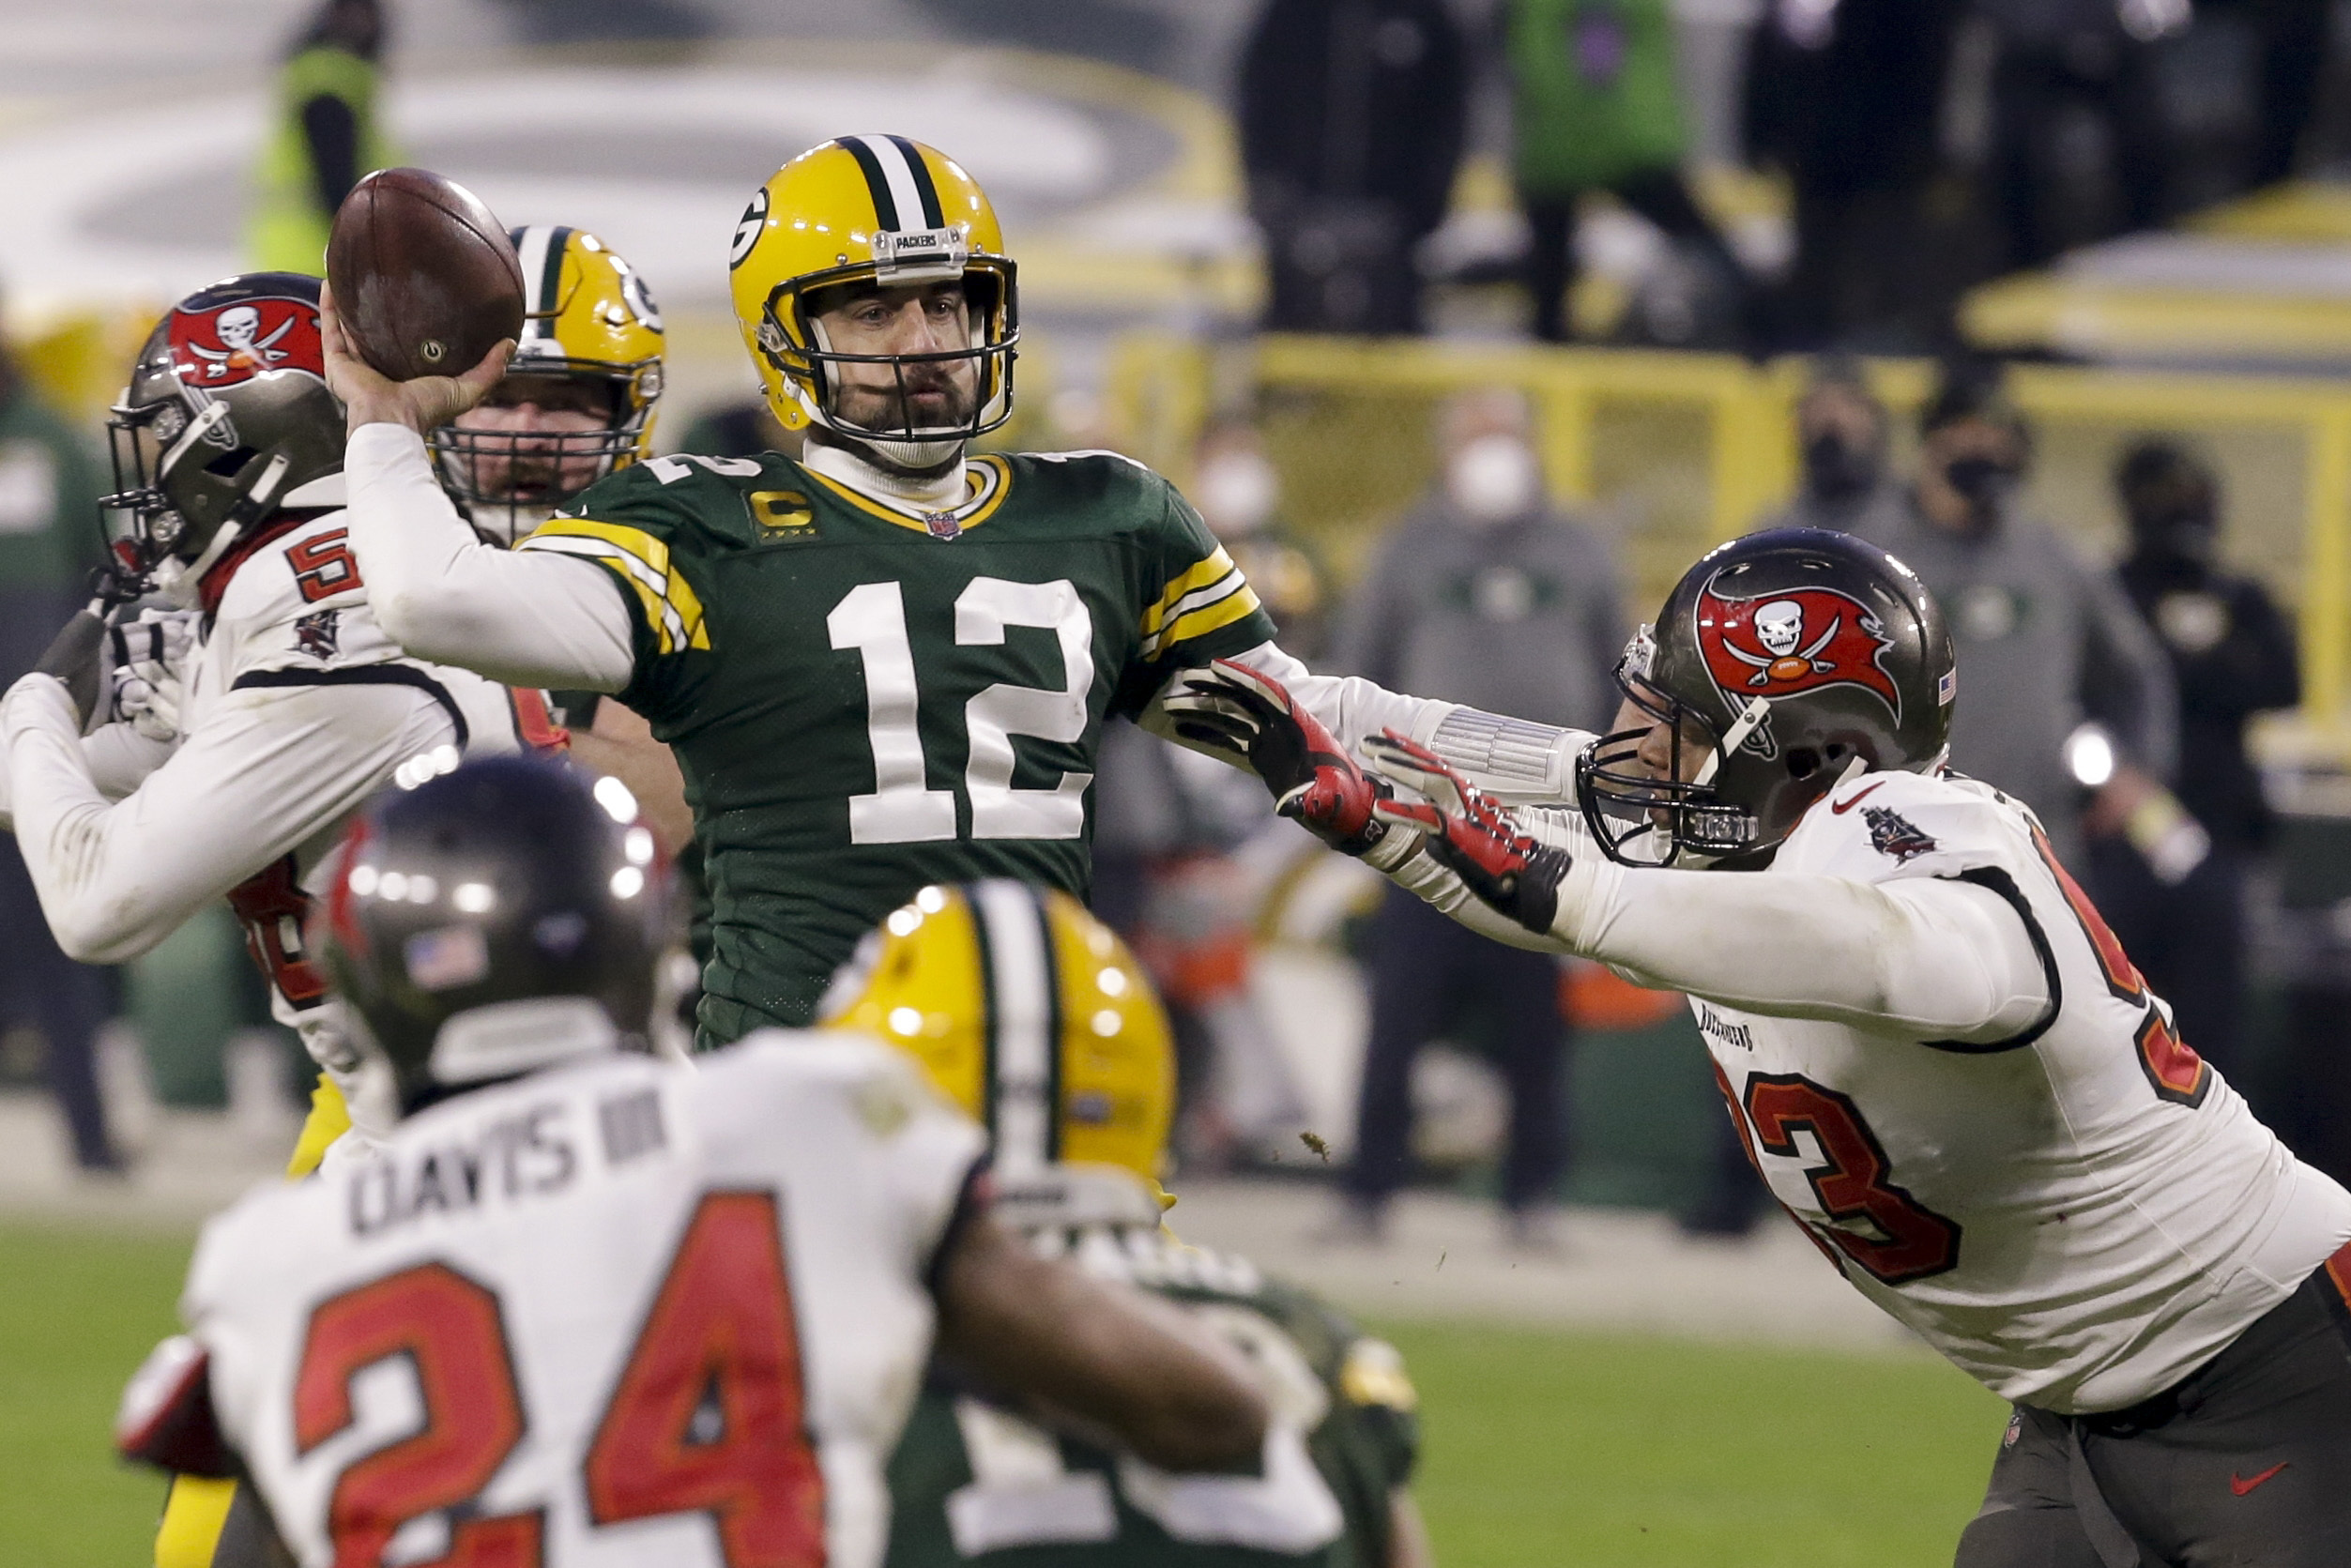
1803, 762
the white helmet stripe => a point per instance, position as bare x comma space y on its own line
904, 192
1020, 980
531, 251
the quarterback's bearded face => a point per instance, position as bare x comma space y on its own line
903, 320
535, 464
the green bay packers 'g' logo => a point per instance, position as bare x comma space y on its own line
782, 514
754, 217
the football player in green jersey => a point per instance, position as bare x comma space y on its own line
888, 663
1032, 1016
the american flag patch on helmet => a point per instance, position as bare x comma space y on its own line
1946, 687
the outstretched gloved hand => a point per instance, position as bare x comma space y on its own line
1469, 834
1249, 716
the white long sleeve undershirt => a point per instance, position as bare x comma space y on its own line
1924, 957
267, 772
523, 617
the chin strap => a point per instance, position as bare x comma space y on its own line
1750, 719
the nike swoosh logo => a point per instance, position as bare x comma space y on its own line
2240, 1485
1841, 807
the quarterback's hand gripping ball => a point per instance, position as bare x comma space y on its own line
1249, 715
424, 277
1469, 834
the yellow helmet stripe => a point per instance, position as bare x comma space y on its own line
1024, 1056
904, 196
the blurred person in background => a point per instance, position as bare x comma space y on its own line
1843, 97
2231, 653
1842, 434
1180, 838
326, 137
2111, 116
1351, 119
1238, 492
1599, 109
1483, 594
49, 546
2048, 641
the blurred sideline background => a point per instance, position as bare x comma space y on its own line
1105, 131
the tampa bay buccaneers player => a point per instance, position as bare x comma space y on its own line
1034, 1017
1935, 1050
880, 666
292, 709
589, 1307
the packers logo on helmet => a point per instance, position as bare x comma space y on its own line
883, 211
589, 322
1027, 1012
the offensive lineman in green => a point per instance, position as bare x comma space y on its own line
1078, 1095
885, 666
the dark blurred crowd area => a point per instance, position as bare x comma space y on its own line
1923, 146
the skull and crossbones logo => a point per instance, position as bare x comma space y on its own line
1779, 627
239, 328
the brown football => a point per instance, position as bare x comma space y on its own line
424, 279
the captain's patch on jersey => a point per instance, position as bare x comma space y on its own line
1892, 833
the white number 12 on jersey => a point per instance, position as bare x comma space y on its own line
903, 808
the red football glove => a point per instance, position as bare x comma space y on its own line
1471, 836
1249, 715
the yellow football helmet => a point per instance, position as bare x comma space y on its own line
588, 318
1027, 1012
871, 209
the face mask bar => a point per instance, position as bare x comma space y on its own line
1641, 819
137, 521
529, 453
544, 455
992, 361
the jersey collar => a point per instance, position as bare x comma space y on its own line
982, 480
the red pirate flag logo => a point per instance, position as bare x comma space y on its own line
217, 348
1800, 640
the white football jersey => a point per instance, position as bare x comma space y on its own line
2078, 1216
295, 617
628, 1312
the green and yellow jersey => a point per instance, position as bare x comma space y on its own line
972, 1483
864, 698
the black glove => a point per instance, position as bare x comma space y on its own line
76, 656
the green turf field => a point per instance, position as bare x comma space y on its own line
1543, 1448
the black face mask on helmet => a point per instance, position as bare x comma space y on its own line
1779, 662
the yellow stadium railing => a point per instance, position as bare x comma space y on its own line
1163, 387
